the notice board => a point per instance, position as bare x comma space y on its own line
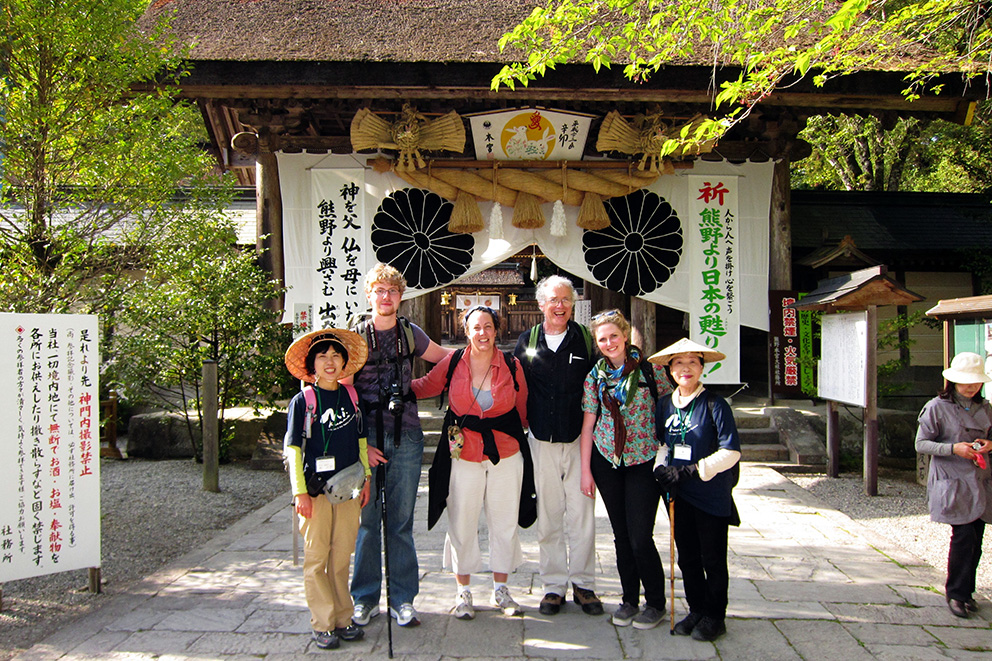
844, 357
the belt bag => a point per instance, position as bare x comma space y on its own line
346, 484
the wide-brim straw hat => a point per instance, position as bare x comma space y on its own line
685, 345
353, 343
967, 367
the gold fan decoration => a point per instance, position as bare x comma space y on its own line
410, 134
645, 136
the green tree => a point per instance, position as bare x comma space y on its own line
201, 298
770, 43
90, 167
861, 153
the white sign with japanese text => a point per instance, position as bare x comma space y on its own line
842, 370
712, 239
50, 445
530, 134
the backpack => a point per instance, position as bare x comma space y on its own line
365, 329
535, 331
456, 358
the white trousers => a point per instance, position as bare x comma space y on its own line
566, 519
472, 486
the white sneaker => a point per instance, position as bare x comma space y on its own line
503, 601
364, 613
463, 606
406, 616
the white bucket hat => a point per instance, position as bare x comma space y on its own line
966, 367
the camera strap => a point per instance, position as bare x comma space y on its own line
376, 353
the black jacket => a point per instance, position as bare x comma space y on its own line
554, 382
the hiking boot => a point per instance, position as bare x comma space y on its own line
350, 633
463, 609
624, 615
406, 616
551, 604
363, 614
709, 629
326, 640
649, 618
591, 605
687, 624
504, 602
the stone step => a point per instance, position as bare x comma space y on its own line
761, 436
768, 452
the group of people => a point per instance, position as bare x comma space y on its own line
529, 436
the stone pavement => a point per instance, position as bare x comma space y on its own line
807, 582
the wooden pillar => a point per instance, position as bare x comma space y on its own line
643, 320
604, 299
268, 200
833, 440
871, 408
780, 228
425, 311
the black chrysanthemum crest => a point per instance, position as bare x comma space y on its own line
410, 233
640, 249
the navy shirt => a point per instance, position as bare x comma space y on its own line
334, 431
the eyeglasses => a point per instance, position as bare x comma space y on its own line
606, 314
380, 292
553, 302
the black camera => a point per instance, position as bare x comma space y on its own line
395, 405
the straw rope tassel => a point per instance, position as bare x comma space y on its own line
496, 217
558, 212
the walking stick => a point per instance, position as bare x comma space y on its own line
671, 560
381, 482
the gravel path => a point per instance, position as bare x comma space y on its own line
153, 512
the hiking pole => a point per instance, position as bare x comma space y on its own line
381, 480
671, 559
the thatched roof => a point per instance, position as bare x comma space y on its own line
344, 30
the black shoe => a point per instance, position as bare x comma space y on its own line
350, 633
971, 605
708, 629
957, 607
551, 604
687, 624
591, 605
326, 640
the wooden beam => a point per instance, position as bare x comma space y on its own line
780, 229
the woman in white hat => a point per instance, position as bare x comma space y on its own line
326, 454
954, 430
697, 467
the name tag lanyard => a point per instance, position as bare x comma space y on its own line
325, 462
682, 451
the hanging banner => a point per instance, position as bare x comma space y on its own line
529, 134
341, 254
50, 445
714, 302
652, 248
790, 338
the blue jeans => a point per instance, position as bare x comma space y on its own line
402, 479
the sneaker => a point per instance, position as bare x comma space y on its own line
503, 601
463, 606
685, 626
363, 614
624, 615
551, 604
349, 634
649, 618
406, 616
709, 629
591, 605
326, 640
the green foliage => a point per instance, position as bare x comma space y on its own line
893, 335
201, 299
89, 164
771, 43
860, 153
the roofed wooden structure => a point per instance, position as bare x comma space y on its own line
857, 291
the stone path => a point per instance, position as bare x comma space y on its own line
807, 582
